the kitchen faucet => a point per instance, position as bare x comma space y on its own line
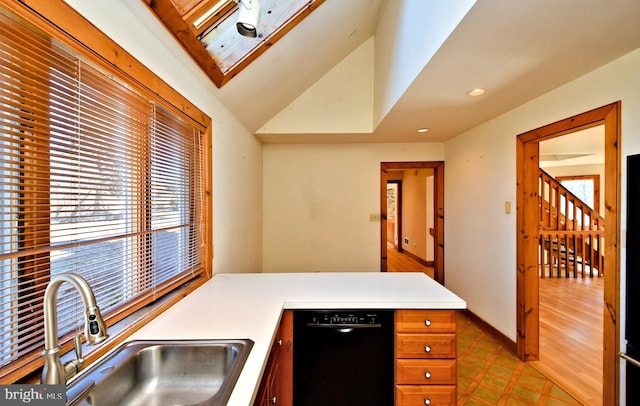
95, 329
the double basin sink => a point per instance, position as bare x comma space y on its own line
158, 372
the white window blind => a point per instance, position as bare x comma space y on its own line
95, 179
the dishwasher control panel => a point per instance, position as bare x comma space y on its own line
342, 318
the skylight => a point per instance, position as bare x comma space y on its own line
207, 30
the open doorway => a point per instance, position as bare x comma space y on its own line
571, 271
420, 239
529, 238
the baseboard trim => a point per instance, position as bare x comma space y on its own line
418, 259
505, 341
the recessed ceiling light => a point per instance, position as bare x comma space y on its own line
423, 130
476, 92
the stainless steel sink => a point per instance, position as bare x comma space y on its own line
155, 373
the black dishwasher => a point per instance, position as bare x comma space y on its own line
343, 357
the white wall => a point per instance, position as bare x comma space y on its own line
237, 155
317, 202
408, 34
340, 102
480, 239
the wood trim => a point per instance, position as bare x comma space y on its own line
496, 334
418, 259
383, 218
177, 24
81, 35
596, 186
578, 122
58, 20
67, 25
438, 267
269, 41
527, 281
612, 214
527, 251
438, 168
165, 11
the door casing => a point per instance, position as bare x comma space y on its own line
527, 163
438, 196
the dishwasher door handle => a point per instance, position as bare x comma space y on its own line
629, 359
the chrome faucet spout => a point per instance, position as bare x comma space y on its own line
95, 329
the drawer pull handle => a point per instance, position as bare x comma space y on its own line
427, 349
427, 323
273, 400
427, 375
427, 401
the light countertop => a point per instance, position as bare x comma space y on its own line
238, 306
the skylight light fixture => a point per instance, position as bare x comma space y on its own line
249, 12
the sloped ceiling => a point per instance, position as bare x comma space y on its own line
298, 60
516, 50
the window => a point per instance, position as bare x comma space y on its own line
207, 30
584, 187
96, 178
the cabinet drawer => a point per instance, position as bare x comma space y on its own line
420, 395
426, 345
425, 321
426, 371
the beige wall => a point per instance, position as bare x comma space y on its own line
414, 211
317, 202
480, 239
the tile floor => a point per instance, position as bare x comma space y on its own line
488, 374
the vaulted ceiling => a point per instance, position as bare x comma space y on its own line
516, 50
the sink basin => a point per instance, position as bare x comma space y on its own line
156, 373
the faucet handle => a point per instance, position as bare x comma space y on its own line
72, 367
77, 346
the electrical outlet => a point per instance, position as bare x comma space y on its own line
406, 241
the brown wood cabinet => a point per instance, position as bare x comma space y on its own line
277, 380
425, 360
425, 353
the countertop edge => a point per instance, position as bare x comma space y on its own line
250, 306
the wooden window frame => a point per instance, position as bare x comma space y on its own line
182, 29
596, 186
58, 20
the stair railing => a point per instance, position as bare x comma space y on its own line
571, 233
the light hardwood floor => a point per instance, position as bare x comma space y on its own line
571, 336
398, 262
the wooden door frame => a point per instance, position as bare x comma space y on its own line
527, 163
438, 212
